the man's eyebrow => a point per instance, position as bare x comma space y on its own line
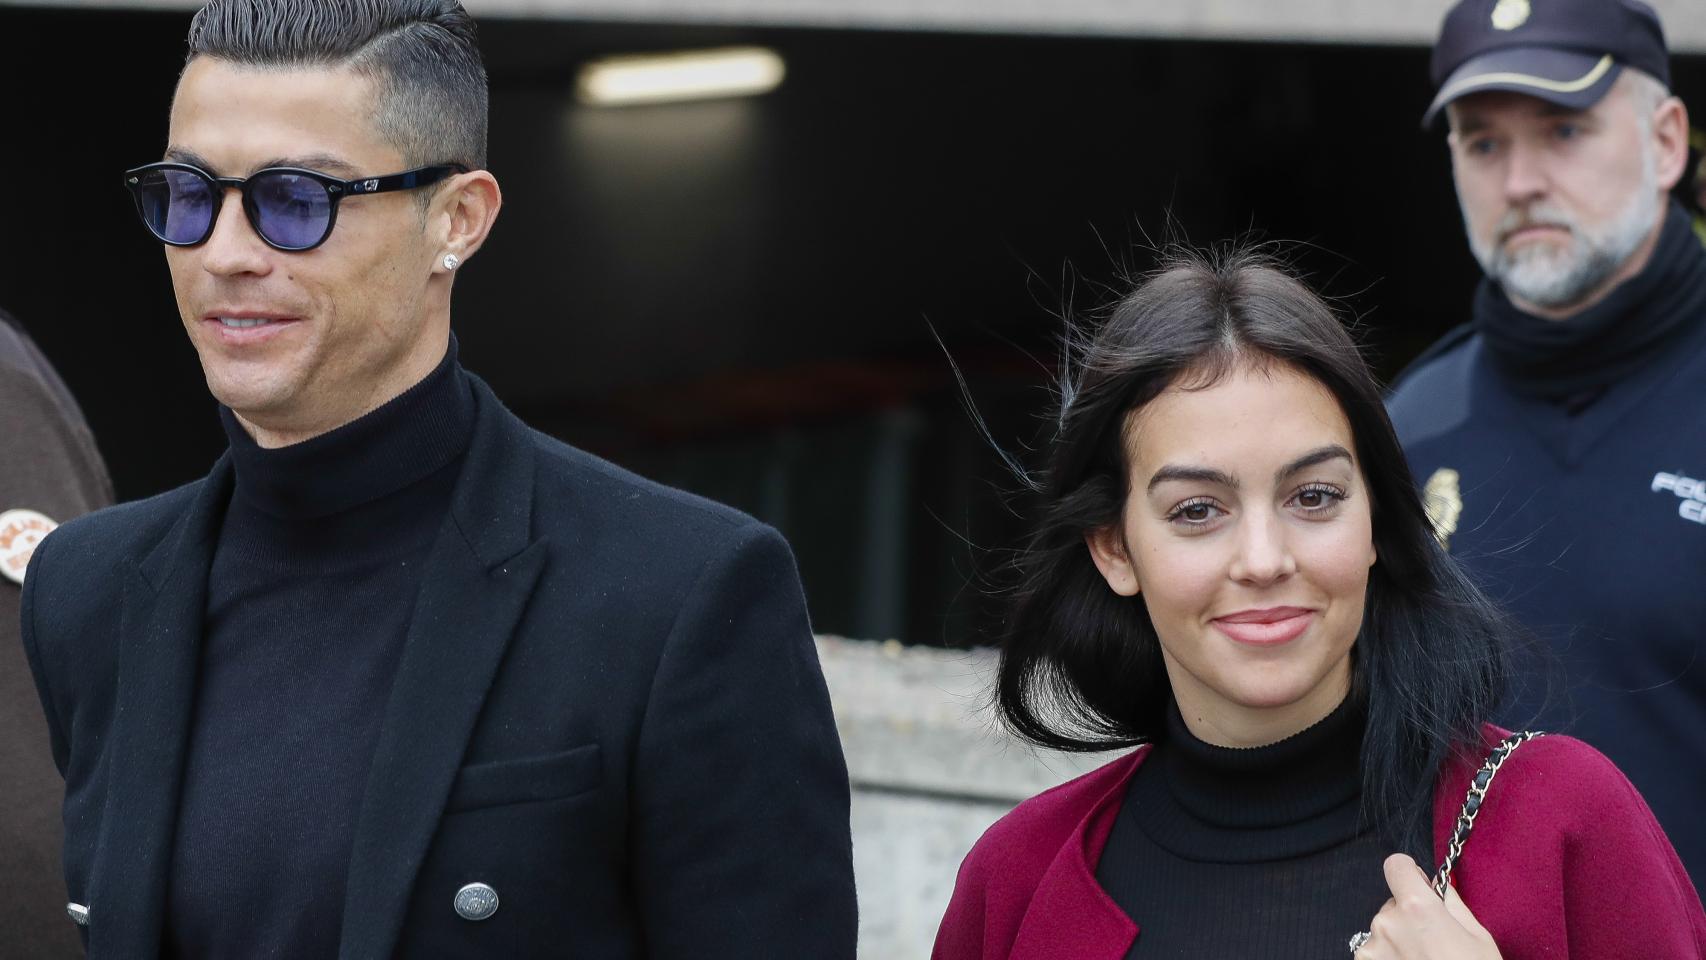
322, 162
1468, 124
1313, 458
181, 155
1192, 475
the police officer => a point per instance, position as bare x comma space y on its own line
1560, 433
50, 472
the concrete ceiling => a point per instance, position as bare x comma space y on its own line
1410, 22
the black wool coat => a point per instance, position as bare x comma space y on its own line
609, 709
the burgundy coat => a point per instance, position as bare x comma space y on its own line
1566, 861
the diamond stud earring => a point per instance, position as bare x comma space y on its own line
451, 261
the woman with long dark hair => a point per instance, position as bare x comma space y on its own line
1233, 571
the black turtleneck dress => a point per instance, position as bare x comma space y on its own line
1248, 853
309, 599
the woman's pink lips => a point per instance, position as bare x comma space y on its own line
1265, 628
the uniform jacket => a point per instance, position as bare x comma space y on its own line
1588, 524
609, 709
48, 464
1565, 862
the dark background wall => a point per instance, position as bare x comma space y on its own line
738, 296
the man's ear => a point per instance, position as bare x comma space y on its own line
463, 214
1452, 138
1670, 141
1108, 551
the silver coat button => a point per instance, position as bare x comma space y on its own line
78, 913
476, 901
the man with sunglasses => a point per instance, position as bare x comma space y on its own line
401, 677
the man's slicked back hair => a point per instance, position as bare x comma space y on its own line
428, 80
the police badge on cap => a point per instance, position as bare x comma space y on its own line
1567, 52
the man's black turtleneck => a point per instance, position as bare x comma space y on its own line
1252, 853
1572, 361
308, 604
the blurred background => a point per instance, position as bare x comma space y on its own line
763, 298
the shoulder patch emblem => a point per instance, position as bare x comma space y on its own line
1510, 14
20, 531
1444, 502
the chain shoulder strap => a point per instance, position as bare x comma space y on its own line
1472, 804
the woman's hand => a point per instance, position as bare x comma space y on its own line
1416, 925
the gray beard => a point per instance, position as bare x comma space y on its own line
1552, 277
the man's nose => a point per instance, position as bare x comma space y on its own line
233, 247
1525, 174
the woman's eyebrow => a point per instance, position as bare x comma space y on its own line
1313, 458
1320, 455
1192, 474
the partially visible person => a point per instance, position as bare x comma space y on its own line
50, 471
1697, 140
1232, 567
1559, 434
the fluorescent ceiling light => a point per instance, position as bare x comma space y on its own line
692, 75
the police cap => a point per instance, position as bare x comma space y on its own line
1568, 52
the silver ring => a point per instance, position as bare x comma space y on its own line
1358, 940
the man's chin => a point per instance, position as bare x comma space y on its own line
1535, 265
254, 402
1556, 287
1555, 250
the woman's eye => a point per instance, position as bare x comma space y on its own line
1318, 499
1194, 513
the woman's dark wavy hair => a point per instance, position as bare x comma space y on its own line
1081, 667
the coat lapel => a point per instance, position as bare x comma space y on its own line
159, 640
1070, 916
478, 578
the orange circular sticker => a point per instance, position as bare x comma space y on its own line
20, 531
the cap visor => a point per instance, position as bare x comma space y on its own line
1564, 77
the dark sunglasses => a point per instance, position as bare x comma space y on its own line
290, 208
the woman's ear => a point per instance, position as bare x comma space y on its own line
1108, 551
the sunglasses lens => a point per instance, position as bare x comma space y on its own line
176, 205
291, 211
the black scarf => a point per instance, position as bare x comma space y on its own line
1636, 322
